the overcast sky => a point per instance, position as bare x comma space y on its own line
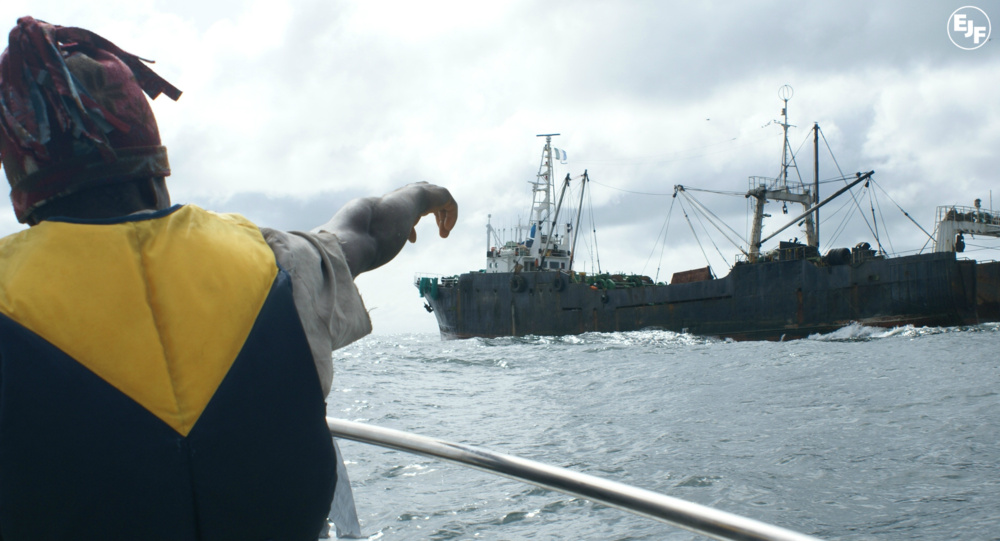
292, 108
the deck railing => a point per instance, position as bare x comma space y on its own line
683, 514
968, 214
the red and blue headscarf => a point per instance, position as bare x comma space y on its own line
73, 114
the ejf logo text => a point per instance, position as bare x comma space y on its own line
969, 28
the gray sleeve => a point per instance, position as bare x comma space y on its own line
329, 304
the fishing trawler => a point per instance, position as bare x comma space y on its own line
529, 286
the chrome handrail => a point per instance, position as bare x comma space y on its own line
680, 513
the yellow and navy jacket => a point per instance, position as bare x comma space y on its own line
156, 383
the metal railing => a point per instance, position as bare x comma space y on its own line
683, 514
968, 214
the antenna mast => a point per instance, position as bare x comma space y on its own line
785, 93
544, 184
763, 188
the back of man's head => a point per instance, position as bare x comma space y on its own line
73, 116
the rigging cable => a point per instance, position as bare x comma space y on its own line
978, 247
794, 163
878, 241
839, 170
663, 232
712, 240
627, 191
693, 232
719, 192
699, 215
715, 220
885, 227
843, 223
593, 228
925, 244
907, 214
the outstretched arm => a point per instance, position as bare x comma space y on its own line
372, 230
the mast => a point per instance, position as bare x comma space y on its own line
543, 186
815, 240
784, 193
785, 93
552, 234
543, 243
489, 231
579, 211
758, 221
777, 189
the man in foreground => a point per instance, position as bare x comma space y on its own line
163, 369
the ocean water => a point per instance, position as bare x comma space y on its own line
860, 434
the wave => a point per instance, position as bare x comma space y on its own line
648, 337
856, 332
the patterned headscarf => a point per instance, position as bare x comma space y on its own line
73, 114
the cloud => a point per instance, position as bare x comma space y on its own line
292, 108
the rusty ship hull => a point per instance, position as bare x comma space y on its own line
764, 301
